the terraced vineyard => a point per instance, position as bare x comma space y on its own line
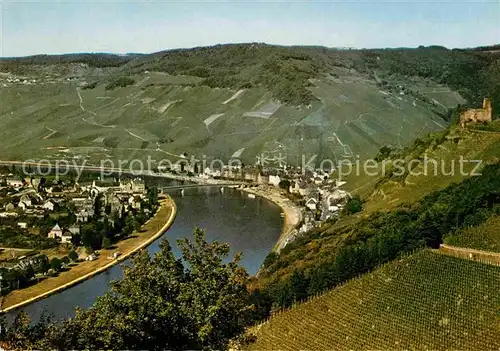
485, 236
423, 301
443, 152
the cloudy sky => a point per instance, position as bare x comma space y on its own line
34, 27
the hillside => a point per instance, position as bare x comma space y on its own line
239, 100
401, 213
422, 301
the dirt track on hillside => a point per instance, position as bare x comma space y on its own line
470, 254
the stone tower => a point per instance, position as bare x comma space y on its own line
480, 115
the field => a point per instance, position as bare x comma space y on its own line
485, 236
423, 301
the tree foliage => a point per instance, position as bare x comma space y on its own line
73, 256
199, 301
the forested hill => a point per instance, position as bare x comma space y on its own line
285, 70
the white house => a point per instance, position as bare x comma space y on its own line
83, 216
135, 202
22, 225
312, 204
274, 180
15, 183
337, 197
56, 232
48, 205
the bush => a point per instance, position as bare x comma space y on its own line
73, 256
120, 82
354, 205
55, 264
106, 243
270, 259
89, 86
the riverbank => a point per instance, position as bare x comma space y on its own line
292, 213
150, 231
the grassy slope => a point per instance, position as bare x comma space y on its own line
127, 122
424, 301
316, 255
368, 98
385, 193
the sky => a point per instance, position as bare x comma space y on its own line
50, 27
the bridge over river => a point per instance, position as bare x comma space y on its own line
198, 185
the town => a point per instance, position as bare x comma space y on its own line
312, 196
48, 225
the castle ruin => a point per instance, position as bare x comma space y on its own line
479, 115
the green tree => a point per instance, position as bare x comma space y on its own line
91, 237
130, 225
270, 259
44, 265
55, 264
198, 302
106, 243
76, 239
383, 153
152, 196
354, 205
73, 256
285, 184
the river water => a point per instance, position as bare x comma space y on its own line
251, 226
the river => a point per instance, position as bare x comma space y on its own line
251, 226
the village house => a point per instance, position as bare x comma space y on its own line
112, 201
22, 225
135, 202
336, 198
297, 186
57, 233
74, 229
274, 180
25, 201
15, 183
136, 185
49, 205
312, 204
8, 214
35, 261
84, 204
84, 216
